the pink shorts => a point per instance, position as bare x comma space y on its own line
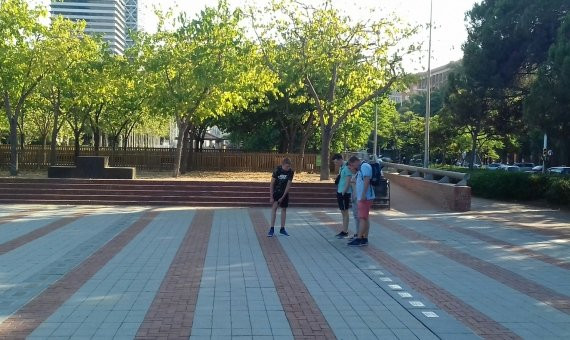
364, 209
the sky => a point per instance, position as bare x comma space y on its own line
448, 20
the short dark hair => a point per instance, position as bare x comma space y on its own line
337, 156
286, 161
353, 159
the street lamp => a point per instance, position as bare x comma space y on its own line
428, 98
375, 129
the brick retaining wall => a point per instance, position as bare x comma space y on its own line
448, 196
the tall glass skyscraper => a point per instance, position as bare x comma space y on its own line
111, 19
132, 19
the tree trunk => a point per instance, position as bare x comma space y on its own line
14, 145
44, 153
325, 154
191, 152
182, 127
76, 135
473, 149
53, 142
302, 149
97, 140
186, 146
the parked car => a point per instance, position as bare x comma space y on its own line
537, 168
512, 168
494, 166
525, 166
560, 170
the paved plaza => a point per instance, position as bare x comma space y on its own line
500, 271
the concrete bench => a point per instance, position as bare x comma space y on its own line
91, 167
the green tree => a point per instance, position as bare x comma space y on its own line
70, 50
344, 64
205, 68
22, 63
548, 104
508, 41
471, 111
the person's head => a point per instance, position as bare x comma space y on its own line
337, 159
354, 163
286, 164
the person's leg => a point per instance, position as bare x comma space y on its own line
364, 227
273, 217
284, 205
363, 217
273, 214
283, 217
344, 220
355, 216
343, 205
365, 223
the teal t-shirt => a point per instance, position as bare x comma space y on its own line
345, 175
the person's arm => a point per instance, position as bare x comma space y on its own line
271, 186
286, 190
289, 182
347, 183
366, 186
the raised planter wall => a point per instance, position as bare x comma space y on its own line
448, 196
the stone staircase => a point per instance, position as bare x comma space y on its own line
159, 192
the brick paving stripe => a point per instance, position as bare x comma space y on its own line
30, 316
505, 276
34, 235
507, 246
480, 323
558, 232
171, 313
304, 316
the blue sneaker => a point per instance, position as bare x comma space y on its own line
355, 243
363, 242
283, 232
271, 232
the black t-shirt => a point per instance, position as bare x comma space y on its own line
281, 178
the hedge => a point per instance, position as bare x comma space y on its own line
520, 186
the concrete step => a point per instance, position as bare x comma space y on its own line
146, 198
179, 183
162, 192
162, 203
213, 192
156, 188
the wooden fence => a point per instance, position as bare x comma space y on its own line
162, 159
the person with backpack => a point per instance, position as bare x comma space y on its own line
365, 196
343, 192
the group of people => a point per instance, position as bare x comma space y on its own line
353, 189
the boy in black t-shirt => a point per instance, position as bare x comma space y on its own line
279, 194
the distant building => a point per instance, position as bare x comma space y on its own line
132, 19
439, 77
110, 19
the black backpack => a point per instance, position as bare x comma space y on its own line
376, 178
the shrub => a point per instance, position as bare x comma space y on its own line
507, 185
558, 191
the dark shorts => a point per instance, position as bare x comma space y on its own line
285, 202
343, 201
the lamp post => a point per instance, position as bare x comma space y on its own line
375, 130
428, 98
